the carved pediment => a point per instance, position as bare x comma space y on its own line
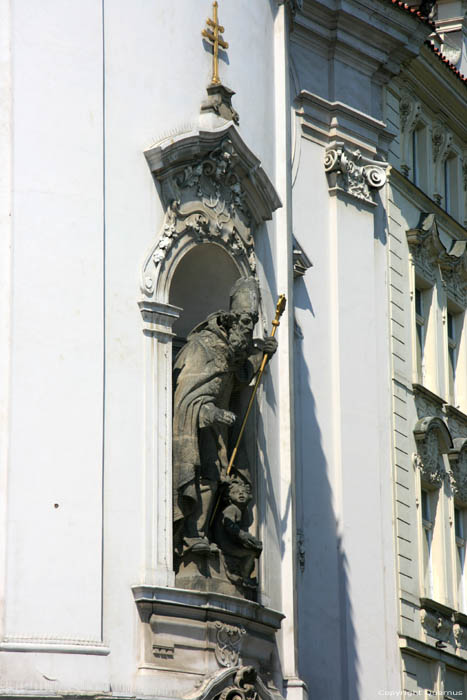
433, 440
214, 190
458, 475
430, 252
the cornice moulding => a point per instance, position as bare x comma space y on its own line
173, 154
395, 36
339, 122
423, 202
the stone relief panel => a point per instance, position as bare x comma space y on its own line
435, 624
354, 174
229, 640
433, 440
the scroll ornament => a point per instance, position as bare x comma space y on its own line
353, 173
208, 204
228, 643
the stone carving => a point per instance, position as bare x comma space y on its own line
228, 643
301, 263
409, 112
222, 197
237, 683
238, 546
441, 141
435, 624
219, 358
214, 190
243, 687
433, 440
460, 635
353, 173
429, 252
458, 474
219, 101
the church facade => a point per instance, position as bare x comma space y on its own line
233, 436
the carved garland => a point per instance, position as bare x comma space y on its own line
353, 173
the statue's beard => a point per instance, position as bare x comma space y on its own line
239, 341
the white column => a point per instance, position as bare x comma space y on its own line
294, 687
158, 319
5, 275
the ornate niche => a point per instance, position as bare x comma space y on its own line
458, 474
214, 191
433, 440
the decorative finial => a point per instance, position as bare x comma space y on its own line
216, 39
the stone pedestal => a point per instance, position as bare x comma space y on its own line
191, 639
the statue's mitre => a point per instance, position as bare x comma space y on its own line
244, 296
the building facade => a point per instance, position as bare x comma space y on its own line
135, 190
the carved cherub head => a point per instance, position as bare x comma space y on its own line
239, 492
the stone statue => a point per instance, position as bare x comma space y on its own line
220, 357
239, 547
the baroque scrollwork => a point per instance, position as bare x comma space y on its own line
458, 474
228, 643
353, 173
209, 205
429, 252
244, 685
214, 190
433, 440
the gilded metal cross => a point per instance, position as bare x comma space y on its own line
216, 39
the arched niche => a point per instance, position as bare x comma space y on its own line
215, 195
201, 284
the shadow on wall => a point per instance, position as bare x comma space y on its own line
328, 659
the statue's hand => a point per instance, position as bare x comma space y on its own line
251, 542
267, 345
225, 417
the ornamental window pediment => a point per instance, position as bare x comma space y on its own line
433, 440
431, 254
458, 473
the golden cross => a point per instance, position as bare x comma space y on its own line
216, 39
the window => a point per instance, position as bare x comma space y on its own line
454, 322
419, 161
460, 533
450, 186
427, 534
420, 326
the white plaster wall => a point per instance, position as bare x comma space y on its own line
56, 432
347, 597
156, 73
